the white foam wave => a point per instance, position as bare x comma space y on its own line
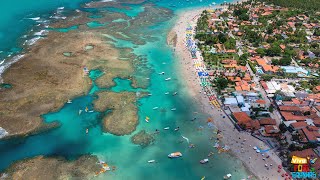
58, 17
32, 41
41, 33
6, 65
35, 18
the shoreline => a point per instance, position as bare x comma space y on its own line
250, 159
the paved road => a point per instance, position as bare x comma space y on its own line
275, 115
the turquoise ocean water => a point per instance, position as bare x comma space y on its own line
70, 139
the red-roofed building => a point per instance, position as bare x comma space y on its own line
309, 135
267, 121
316, 123
289, 108
298, 125
264, 85
260, 103
241, 117
312, 128
289, 116
271, 129
253, 125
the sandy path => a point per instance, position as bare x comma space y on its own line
241, 143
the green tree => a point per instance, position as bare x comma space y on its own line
261, 52
275, 62
285, 61
222, 38
275, 50
221, 83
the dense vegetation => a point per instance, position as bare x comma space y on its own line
301, 4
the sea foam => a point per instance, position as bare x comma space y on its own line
4, 66
35, 18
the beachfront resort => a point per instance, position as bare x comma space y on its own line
258, 64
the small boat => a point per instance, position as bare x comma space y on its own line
152, 161
175, 93
203, 161
166, 128
150, 94
147, 78
87, 131
176, 129
210, 154
91, 111
203, 178
173, 109
155, 108
69, 101
228, 176
86, 109
162, 73
167, 79
166, 93
175, 155
80, 111
147, 119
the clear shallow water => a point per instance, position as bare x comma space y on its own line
70, 140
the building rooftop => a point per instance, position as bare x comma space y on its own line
299, 125
267, 121
289, 116
241, 117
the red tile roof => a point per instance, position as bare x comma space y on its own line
310, 136
253, 124
242, 117
288, 116
312, 128
267, 121
271, 129
289, 108
299, 125
261, 101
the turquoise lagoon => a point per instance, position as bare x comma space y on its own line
70, 140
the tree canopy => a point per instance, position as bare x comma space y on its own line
300, 4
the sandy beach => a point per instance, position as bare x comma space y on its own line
241, 143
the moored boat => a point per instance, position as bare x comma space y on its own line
152, 161
166, 128
203, 161
155, 108
147, 119
167, 79
228, 176
173, 109
175, 155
